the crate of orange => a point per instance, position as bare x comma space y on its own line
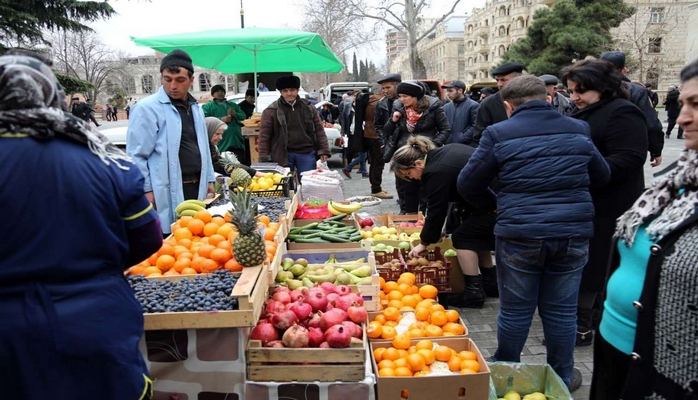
436, 368
431, 268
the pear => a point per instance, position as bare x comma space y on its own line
297, 270
512, 395
302, 261
287, 263
535, 396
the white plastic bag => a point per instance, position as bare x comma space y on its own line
324, 185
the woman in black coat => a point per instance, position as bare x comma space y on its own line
437, 168
619, 132
414, 114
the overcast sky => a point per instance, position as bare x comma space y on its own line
139, 18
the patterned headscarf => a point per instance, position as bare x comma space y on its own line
666, 204
32, 102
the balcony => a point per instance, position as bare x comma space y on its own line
481, 30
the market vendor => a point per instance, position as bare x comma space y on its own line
75, 216
438, 169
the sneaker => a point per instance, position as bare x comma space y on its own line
346, 173
575, 380
382, 195
667, 137
364, 175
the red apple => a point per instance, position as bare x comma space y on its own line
366, 222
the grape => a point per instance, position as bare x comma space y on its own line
209, 292
273, 206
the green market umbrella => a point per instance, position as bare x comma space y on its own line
233, 51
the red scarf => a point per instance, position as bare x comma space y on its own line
412, 118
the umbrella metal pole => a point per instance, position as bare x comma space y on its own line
242, 16
254, 79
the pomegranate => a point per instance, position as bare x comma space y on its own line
295, 337
284, 319
332, 317
301, 309
282, 297
332, 297
354, 330
271, 307
317, 300
296, 294
357, 297
357, 313
324, 345
344, 302
337, 336
342, 290
327, 287
282, 289
275, 343
356, 340
314, 320
315, 337
264, 332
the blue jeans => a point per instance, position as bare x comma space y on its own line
360, 159
547, 274
302, 162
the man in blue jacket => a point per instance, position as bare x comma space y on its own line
545, 163
461, 112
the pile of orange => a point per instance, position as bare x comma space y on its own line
415, 360
404, 294
201, 244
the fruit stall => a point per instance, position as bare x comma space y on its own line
259, 295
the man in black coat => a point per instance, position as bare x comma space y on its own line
558, 101
492, 108
461, 112
639, 97
654, 97
671, 102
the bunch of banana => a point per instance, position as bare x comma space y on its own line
339, 208
189, 207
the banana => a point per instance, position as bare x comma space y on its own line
188, 205
189, 213
342, 208
197, 202
332, 210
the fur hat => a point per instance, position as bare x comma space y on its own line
411, 88
177, 58
288, 82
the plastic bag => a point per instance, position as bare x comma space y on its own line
526, 379
324, 185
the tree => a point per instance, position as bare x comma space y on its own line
82, 55
72, 84
23, 23
404, 17
355, 69
567, 32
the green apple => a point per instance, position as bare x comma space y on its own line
404, 245
450, 253
380, 246
512, 395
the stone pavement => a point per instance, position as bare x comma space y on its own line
482, 324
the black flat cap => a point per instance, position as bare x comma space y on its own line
487, 90
508, 68
616, 58
454, 84
217, 88
390, 78
549, 79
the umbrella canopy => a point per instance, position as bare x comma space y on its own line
233, 51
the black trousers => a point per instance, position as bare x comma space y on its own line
672, 122
410, 196
610, 371
191, 191
376, 164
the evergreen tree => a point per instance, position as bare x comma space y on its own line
570, 30
355, 69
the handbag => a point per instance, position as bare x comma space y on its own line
390, 148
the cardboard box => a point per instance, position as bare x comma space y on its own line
444, 387
526, 379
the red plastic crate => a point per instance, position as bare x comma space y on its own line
387, 273
439, 277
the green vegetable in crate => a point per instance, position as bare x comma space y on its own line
249, 244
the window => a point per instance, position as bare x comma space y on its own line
461, 48
657, 15
147, 83
204, 82
129, 84
655, 45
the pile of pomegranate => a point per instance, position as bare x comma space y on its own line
325, 316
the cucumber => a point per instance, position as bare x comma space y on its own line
336, 218
312, 240
334, 238
355, 238
309, 226
325, 227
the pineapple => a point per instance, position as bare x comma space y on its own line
248, 245
238, 176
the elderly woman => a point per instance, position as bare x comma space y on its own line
646, 347
619, 132
75, 217
415, 114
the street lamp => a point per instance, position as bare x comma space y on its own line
242, 16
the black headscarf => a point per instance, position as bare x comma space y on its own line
32, 102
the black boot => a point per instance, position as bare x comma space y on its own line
489, 281
473, 295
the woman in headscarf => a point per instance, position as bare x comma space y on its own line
619, 132
75, 217
216, 128
415, 114
646, 346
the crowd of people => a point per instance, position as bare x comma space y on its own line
546, 172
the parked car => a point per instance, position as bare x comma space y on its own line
116, 136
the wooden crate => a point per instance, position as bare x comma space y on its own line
250, 291
287, 365
349, 221
395, 219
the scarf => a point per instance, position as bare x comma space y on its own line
212, 125
32, 103
668, 203
411, 118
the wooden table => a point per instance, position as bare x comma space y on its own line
252, 137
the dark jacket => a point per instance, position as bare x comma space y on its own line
655, 131
491, 111
383, 113
461, 116
346, 115
562, 104
364, 114
439, 177
658, 301
433, 124
545, 163
273, 134
672, 104
654, 97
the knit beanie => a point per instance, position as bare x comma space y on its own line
177, 58
288, 82
411, 88
212, 125
217, 88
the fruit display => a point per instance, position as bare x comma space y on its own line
336, 208
417, 224
269, 181
249, 244
385, 233
424, 358
325, 316
203, 244
202, 293
382, 247
189, 208
513, 395
329, 230
271, 206
299, 273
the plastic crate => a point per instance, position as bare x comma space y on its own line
389, 274
281, 189
439, 277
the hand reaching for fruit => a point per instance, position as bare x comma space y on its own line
417, 250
